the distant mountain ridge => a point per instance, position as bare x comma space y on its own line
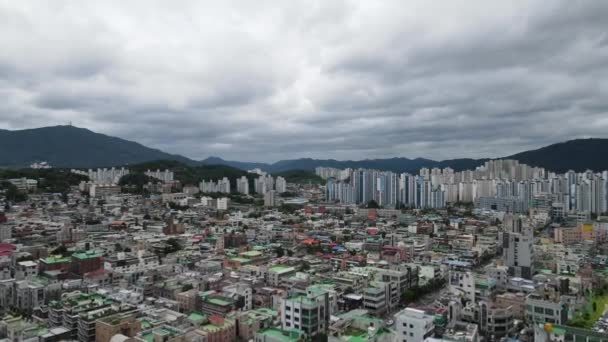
578, 155
397, 164
68, 146
237, 164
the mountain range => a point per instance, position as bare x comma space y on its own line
69, 146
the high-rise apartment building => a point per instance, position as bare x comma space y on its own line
517, 244
242, 185
281, 185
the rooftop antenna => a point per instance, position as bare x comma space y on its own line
70, 123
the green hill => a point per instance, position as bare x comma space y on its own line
68, 146
578, 155
300, 177
49, 180
187, 174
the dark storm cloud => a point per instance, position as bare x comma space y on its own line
327, 79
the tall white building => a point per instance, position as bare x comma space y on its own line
242, 185
264, 184
103, 176
165, 176
280, 185
222, 203
270, 198
222, 186
413, 325
517, 244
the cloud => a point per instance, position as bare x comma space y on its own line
270, 80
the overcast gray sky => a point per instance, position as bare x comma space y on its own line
270, 80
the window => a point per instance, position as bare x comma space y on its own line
411, 326
538, 309
549, 312
287, 307
412, 334
296, 310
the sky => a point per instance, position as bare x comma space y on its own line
271, 80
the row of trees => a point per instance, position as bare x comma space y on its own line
417, 292
11, 193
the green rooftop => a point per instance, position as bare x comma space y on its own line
281, 335
241, 260
266, 311
56, 259
279, 268
196, 316
251, 254
40, 280
148, 337
145, 324
221, 301
86, 255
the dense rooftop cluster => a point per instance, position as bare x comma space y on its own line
178, 262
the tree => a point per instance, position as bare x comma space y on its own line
279, 251
11, 193
61, 250
136, 183
312, 249
176, 206
239, 303
172, 246
408, 295
289, 253
25, 258
187, 287
320, 337
373, 204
